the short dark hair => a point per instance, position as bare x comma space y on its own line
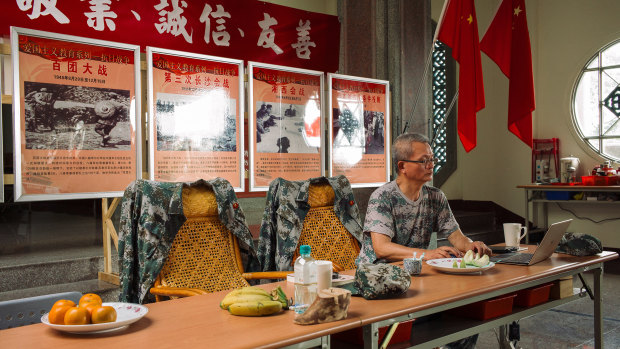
401, 149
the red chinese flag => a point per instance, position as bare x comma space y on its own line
459, 30
507, 43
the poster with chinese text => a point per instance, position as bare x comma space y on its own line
195, 117
359, 138
1, 151
75, 116
286, 124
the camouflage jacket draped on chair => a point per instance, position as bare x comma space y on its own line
151, 216
286, 208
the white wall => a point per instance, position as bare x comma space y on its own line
564, 34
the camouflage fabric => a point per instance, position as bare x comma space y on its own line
151, 215
380, 281
287, 206
406, 222
579, 244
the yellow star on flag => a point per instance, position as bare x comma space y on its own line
517, 11
470, 19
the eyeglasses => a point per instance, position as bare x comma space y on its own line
424, 162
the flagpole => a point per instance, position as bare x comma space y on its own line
426, 65
443, 122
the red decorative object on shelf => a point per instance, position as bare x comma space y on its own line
599, 180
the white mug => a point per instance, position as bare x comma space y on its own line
323, 275
511, 233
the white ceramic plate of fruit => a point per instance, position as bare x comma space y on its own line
446, 265
126, 314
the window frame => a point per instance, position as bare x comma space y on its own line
584, 140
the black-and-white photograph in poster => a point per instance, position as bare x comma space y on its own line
283, 128
194, 123
348, 127
351, 131
76, 117
373, 129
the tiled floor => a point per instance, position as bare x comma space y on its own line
570, 325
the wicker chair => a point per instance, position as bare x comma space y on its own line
322, 230
205, 255
330, 240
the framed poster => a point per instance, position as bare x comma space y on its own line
286, 124
1, 138
195, 117
75, 109
359, 132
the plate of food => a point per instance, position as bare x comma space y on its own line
468, 264
126, 314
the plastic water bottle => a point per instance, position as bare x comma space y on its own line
305, 280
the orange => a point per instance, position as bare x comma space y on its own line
57, 314
90, 307
90, 298
104, 313
77, 316
62, 302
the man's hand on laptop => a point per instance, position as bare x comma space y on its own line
443, 252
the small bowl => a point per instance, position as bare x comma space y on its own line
413, 266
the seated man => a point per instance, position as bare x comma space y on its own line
403, 213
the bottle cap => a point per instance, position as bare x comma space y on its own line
304, 249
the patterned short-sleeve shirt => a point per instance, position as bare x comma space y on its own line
407, 222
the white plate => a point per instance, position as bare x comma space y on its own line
341, 280
445, 265
126, 313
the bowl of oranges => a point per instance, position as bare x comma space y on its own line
91, 315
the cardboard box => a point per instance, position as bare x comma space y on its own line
562, 288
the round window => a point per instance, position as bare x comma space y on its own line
596, 102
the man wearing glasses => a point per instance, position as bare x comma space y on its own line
403, 213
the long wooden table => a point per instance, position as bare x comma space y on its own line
434, 292
199, 322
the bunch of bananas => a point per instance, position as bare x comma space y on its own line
254, 301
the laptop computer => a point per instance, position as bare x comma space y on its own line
546, 248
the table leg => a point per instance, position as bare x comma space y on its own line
504, 343
598, 311
326, 342
371, 336
527, 217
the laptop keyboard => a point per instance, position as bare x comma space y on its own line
513, 257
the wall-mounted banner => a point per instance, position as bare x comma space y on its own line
74, 115
240, 29
359, 138
286, 124
195, 117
